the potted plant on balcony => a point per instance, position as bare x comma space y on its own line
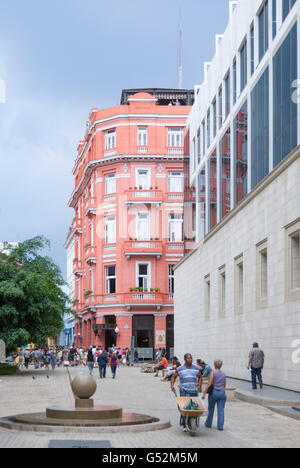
88, 293
140, 289
140, 187
86, 246
157, 290
75, 260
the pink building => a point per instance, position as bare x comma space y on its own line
128, 225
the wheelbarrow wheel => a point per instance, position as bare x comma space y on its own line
193, 426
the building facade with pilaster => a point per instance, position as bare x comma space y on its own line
128, 225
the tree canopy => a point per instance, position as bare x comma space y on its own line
32, 302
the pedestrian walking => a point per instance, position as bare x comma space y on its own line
190, 381
36, 356
27, 356
53, 360
102, 363
256, 364
216, 395
90, 360
21, 359
47, 360
113, 364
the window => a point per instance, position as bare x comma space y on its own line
110, 183
144, 276
175, 137
110, 139
262, 275
287, 5
274, 18
222, 293
176, 181
239, 285
212, 165
110, 229
207, 298
285, 108
241, 153
110, 280
260, 130
220, 99
143, 226
243, 59
171, 278
143, 179
214, 106
252, 48
175, 228
198, 146
201, 213
225, 179
292, 248
142, 136
208, 128
92, 286
234, 81
263, 25
227, 95
203, 139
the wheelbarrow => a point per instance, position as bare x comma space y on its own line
191, 409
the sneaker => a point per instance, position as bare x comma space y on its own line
184, 429
261, 385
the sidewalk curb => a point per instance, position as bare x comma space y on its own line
263, 401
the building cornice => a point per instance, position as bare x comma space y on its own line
115, 159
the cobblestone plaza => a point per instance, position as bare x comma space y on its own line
246, 426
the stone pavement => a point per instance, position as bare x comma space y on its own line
247, 425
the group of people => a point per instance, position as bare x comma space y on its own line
113, 357
71, 356
193, 377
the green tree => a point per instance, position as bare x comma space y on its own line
32, 302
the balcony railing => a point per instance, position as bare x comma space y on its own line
144, 196
90, 207
142, 149
176, 196
77, 226
175, 245
129, 299
175, 150
77, 268
136, 247
91, 254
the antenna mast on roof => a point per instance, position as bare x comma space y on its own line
180, 67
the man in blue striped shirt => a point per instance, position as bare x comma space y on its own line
190, 377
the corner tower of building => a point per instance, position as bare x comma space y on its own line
128, 224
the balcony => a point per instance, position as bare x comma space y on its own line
91, 255
77, 267
90, 207
143, 196
131, 299
175, 150
143, 248
177, 196
142, 149
90, 300
175, 246
77, 226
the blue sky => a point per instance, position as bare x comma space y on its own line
61, 58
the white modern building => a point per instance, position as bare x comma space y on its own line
241, 282
67, 335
